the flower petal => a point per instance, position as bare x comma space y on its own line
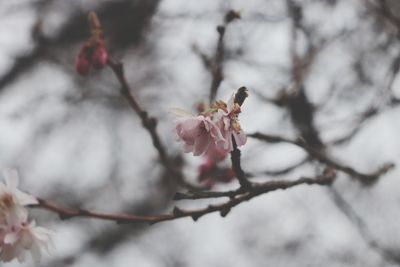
231, 103
11, 238
201, 144
36, 253
25, 199
11, 177
240, 138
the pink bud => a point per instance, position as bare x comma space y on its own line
215, 153
99, 57
205, 168
82, 65
209, 183
227, 175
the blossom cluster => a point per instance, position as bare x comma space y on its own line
213, 131
18, 235
93, 53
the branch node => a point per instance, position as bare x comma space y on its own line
241, 95
224, 212
178, 212
232, 15
178, 196
221, 30
195, 217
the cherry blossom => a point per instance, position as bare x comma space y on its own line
17, 234
227, 118
197, 133
92, 53
211, 131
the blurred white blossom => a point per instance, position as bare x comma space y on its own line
17, 234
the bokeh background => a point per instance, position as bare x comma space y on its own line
76, 141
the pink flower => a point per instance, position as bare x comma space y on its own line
82, 62
100, 56
227, 117
17, 239
216, 153
92, 53
210, 174
17, 235
197, 133
211, 132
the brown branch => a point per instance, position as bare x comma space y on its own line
216, 64
150, 124
237, 168
265, 187
207, 194
216, 67
362, 227
365, 178
195, 214
372, 111
240, 97
281, 171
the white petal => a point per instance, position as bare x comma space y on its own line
18, 215
11, 238
36, 253
3, 188
11, 177
42, 234
27, 240
25, 199
21, 257
231, 102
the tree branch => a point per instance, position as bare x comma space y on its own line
366, 178
215, 65
150, 124
195, 214
362, 228
240, 97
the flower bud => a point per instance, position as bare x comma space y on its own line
205, 168
99, 57
82, 65
227, 175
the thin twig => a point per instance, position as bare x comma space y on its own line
283, 171
150, 124
215, 65
362, 227
236, 166
328, 177
366, 178
240, 97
